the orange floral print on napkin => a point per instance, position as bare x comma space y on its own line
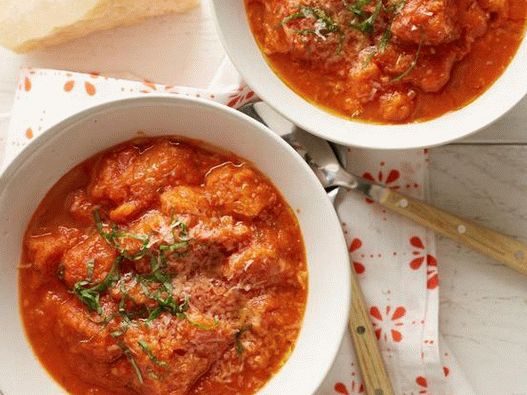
69, 85
90, 88
27, 84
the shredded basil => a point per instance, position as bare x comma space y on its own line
387, 34
90, 295
159, 274
238, 345
326, 24
398, 7
315, 13
112, 237
175, 223
357, 7
366, 24
170, 248
154, 314
412, 65
105, 320
146, 349
163, 295
202, 326
128, 353
385, 39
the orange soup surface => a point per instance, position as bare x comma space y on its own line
162, 266
388, 61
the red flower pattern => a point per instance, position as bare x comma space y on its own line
239, 98
354, 246
389, 324
390, 179
152, 87
89, 88
341, 389
422, 383
420, 258
27, 84
356, 388
393, 175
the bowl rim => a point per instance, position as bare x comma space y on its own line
11, 168
242, 49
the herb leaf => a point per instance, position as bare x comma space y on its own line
146, 349
154, 314
237, 339
202, 326
170, 248
115, 234
357, 7
367, 24
159, 273
90, 295
128, 353
324, 24
412, 65
385, 39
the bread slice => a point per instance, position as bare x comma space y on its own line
31, 24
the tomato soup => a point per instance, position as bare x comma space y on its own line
162, 266
388, 61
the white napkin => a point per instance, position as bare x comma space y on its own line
395, 258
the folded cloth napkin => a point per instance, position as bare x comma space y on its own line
394, 258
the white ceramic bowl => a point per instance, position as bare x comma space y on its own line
238, 41
27, 179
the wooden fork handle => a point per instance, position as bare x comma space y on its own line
502, 248
374, 375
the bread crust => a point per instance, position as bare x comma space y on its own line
104, 15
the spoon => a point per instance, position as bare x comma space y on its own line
322, 160
374, 374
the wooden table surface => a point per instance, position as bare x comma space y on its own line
483, 312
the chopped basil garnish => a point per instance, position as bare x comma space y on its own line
146, 349
90, 295
363, 19
154, 314
237, 339
385, 39
112, 237
366, 24
324, 24
412, 65
357, 7
202, 326
316, 13
155, 285
128, 353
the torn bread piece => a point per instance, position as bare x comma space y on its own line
34, 24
